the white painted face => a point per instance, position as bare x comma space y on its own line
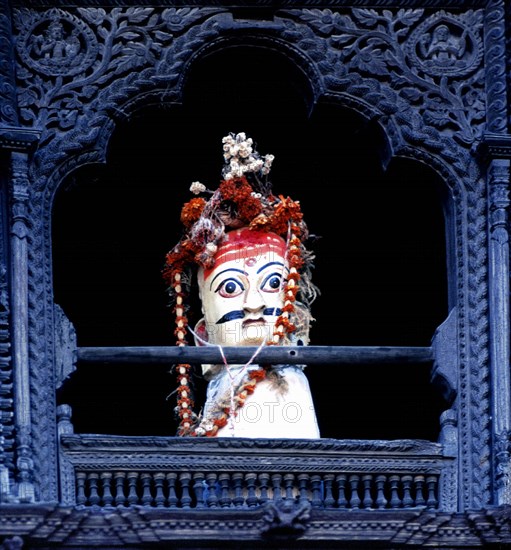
242, 298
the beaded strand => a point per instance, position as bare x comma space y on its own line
184, 401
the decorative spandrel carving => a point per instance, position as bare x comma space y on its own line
68, 61
433, 64
74, 65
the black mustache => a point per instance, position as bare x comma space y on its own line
241, 314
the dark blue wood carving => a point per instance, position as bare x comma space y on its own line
8, 110
432, 76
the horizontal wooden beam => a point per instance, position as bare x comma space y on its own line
307, 355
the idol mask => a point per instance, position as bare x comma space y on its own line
253, 270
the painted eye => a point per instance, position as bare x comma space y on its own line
230, 288
272, 283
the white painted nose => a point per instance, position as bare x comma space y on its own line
253, 301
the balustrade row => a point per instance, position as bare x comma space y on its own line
248, 490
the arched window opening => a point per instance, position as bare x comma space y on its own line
380, 250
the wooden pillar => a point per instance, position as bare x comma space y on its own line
498, 174
19, 299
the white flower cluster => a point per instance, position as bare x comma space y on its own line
197, 187
241, 157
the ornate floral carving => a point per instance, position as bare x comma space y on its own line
117, 51
369, 47
8, 114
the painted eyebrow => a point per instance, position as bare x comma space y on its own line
268, 264
225, 271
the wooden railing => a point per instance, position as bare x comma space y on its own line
347, 491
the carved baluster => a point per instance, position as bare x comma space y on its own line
276, 482
93, 489
159, 497
251, 490
238, 499
225, 499
381, 501
329, 500
64, 427
303, 483
288, 486
132, 487
407, 497
212, 499
354, 498
316, 491
431, 502
81, 499
106, 480
342, 502
120, 497
367, 501
186, 499
395, 501
172, 499
263, 487
198, 489
419, 491
146, 489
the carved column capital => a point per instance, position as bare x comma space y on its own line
18, 139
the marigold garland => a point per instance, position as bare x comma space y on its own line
192, 211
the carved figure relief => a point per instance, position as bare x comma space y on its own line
57, 43
444, 46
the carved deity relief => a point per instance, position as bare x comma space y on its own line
57, 43
442, 45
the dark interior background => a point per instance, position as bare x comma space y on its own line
380, 263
